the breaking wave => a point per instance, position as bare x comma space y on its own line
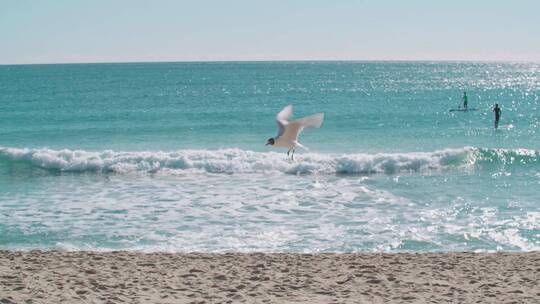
240, 161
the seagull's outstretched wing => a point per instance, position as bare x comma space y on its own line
283, 118
313, 121
294, 128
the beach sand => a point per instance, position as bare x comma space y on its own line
131, 277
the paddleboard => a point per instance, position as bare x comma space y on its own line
507, 127
463, 110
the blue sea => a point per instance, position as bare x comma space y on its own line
171, 157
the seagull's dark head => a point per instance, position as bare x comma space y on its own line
270, 142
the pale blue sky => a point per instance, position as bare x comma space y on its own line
118, 31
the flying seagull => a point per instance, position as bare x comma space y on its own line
290, 129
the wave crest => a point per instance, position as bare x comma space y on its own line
241, 161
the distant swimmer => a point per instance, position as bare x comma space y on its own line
497, 112
465, 100
290, 129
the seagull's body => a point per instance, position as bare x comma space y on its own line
288, 130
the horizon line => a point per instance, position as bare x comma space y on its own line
277, 61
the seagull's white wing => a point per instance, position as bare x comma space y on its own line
294, 128
282, 119
285, 114
313, 121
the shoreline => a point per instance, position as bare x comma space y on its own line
135, 277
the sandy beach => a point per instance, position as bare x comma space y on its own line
129, 277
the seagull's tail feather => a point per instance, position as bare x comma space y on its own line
313, 121
299, 145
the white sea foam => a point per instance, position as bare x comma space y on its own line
262, 212
241, 161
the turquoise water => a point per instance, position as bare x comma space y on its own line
171, 157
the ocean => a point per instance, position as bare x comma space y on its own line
172, 157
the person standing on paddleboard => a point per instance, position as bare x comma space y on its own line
465, 100
497, 112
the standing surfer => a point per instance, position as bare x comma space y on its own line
497, 112
465, 100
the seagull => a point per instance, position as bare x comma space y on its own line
288, 130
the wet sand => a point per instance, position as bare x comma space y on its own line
129, 277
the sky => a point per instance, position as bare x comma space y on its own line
66, 31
